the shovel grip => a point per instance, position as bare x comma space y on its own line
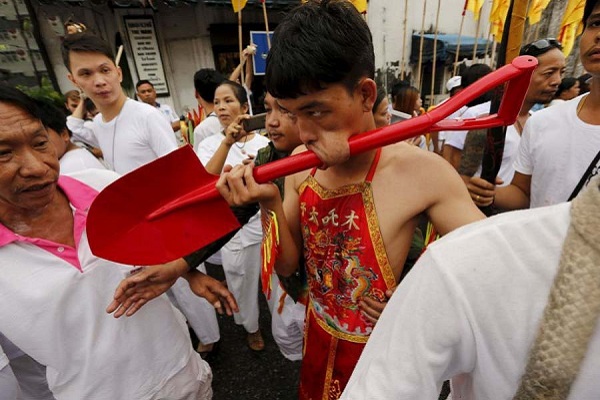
516, 75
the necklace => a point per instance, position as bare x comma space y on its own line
580, 105
242, 150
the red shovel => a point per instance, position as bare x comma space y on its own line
170, 207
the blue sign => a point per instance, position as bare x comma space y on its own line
259, 60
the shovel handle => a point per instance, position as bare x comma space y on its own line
517, 76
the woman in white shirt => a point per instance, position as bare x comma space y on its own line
241, 256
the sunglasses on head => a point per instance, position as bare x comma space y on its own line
540, 46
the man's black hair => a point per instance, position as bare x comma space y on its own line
566, 84
540, 47
471, 75
206, 82
84, 42
589, 7
51, 116
143, 82
319, 43
19, 99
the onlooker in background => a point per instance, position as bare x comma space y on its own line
72, 100
206, 82
560, 146
381, 109
453, 86
567, 90
145, 91
584, 83
72, 158
129, 133
544, 82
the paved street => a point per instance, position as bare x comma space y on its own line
240, 373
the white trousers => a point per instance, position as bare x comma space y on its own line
200, 314
288, 326
242, 271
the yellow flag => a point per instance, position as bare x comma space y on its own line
571, 25
498, 18
535, 10
475, 7
361, 5
238, 5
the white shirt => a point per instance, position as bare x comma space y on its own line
556, 149
77, 160
470, 310
251, 233
457, 139
53, 300
167, 112
83, 131
137, 136
208, 127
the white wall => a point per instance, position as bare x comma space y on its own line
386, 20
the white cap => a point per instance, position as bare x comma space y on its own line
453, 83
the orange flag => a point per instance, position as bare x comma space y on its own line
535, 10
571, 25
498, 18
238, 5
475, 7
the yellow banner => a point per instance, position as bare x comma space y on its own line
498, 18
535, 10
475, 7
571, 25
238, 5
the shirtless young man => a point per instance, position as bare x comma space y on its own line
352, 220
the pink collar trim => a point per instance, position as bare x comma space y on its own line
80, 197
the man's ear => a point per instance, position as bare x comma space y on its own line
368, 93
120, 72
70, 76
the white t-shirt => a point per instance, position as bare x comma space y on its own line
77, 160
251, 233
53, 300
137, 136
210, 126
457, 139
470, 310
556, 149
167, 112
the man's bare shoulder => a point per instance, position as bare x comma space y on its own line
402, 157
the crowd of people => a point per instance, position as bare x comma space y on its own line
503, 307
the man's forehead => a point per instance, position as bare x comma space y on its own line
88, 59
552, 57
12, 116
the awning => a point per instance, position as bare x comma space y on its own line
446, 47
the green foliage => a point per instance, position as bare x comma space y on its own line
46, 92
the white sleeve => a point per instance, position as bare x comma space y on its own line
174, 117
82, 131
422, 339
207, 149
456, 139
160, 134
524, 160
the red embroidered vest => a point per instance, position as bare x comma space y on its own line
345, 261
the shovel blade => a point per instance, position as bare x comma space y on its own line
118, 226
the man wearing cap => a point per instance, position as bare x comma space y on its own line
453, 86
543, 86
560, 146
